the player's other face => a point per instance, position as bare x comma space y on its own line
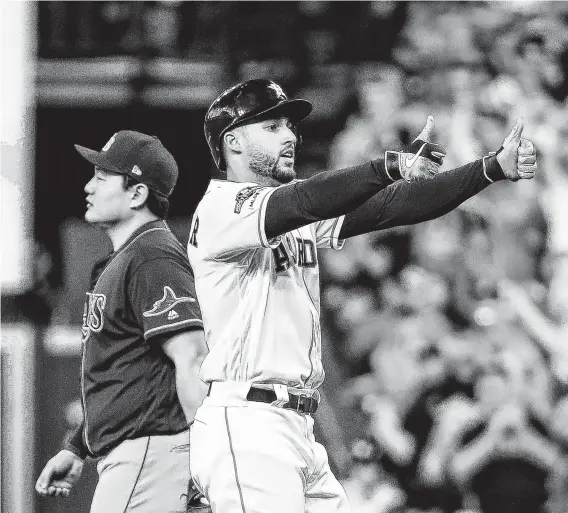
107, 200
270, 147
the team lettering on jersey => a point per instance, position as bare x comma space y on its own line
93, 318
294, 251
193, 235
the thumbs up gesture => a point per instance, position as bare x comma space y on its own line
422, 160
517, 156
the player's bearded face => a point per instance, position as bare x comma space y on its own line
107, 200
270, 147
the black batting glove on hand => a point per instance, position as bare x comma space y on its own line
420, 161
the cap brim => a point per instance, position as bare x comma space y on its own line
97, 159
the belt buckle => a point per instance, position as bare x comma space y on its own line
315, 395
306, 400
301, 406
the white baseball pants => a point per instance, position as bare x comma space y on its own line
144, 475
251, 457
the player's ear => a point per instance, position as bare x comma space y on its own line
139, 196
232, 141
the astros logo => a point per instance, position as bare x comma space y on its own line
278, 90
168, 301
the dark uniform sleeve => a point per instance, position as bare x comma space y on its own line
323, 196
162, 296
74, 442
409, 203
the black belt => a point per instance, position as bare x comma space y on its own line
298, 403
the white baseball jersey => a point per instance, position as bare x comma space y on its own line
259, 298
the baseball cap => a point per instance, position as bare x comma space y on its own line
141, 156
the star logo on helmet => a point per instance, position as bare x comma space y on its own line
278, 90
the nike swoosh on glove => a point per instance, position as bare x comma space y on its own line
420, 161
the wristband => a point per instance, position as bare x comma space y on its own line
492, 169
392, 165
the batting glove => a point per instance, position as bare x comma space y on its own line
420, 161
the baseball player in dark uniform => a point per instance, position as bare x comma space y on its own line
142, 338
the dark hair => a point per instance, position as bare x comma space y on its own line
156, 203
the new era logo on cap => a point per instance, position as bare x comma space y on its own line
136, 171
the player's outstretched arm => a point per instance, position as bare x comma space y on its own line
411, 203
334, 193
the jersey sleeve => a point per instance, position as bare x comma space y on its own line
231, 219
162, 296
327, 233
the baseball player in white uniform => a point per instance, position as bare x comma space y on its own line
253, 247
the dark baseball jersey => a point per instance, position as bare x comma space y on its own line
144, 289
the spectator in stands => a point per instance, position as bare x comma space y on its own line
368, 487
373, 124
504, 455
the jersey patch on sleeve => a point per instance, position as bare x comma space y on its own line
167, 303
245, 194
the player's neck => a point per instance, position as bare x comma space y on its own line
244, 174
120, 232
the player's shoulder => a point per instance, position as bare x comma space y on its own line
163, 234
217, 187
226, 192
158, 241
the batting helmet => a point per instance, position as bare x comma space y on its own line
250, 100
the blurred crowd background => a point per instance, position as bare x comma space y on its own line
446, 342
